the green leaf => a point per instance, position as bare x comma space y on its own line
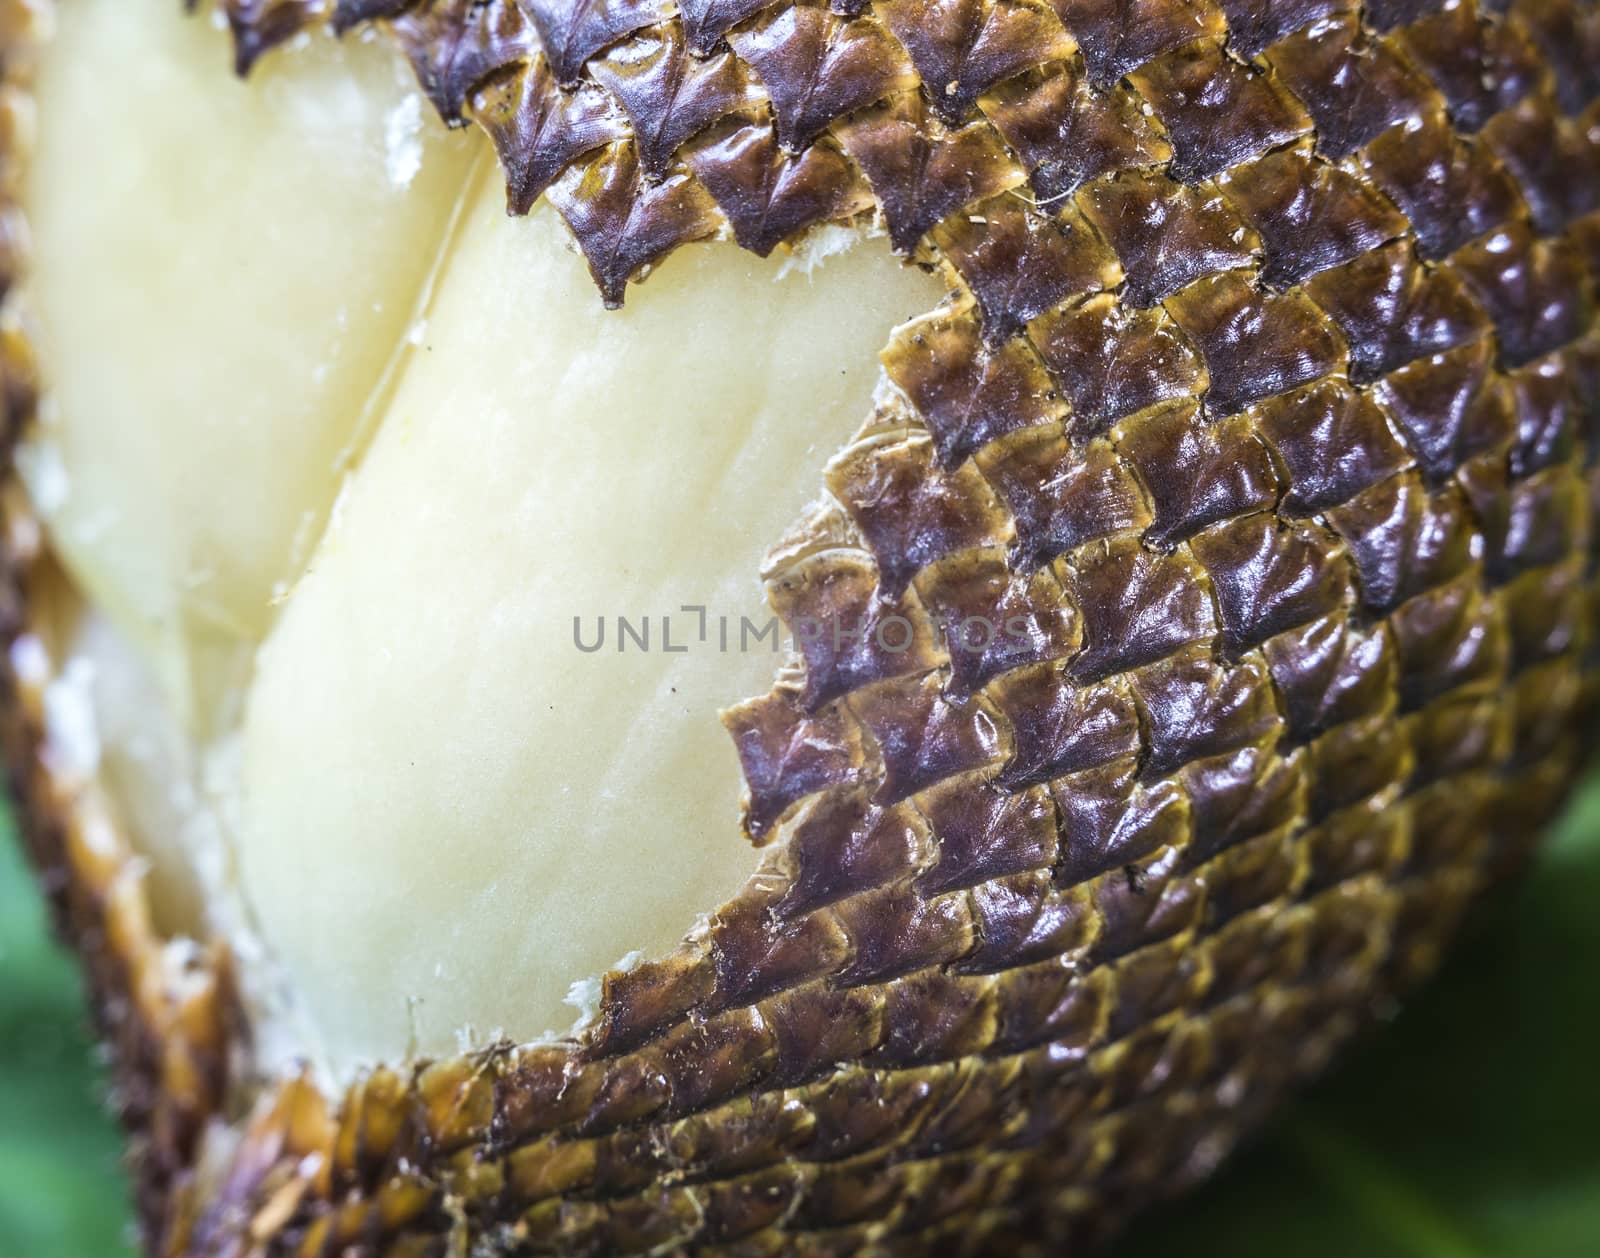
1469, 1129
62, 1192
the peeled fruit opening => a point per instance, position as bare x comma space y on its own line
340, 453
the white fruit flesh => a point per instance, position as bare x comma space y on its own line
252, 234
441, 811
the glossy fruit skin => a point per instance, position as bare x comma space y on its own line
1261, 429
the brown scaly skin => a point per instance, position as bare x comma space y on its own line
1288, 472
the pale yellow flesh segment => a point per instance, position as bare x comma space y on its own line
223, 271
440, 788
446, 813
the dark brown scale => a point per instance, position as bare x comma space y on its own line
1393, 310
1355, 762
911, 513
1166, 233
1020, 260
1143, 903
758, 953
1547, 412
768, 195
898, 931
1450, 189
1449, 408
984, 833
1403, 541
625, 221
1255, 949
1062, 495
993, 620
921, 736
1456, 735
787, 756
454, 45
1534, 290
1365, 839
1067, 131
570, 34
1569, 38
847, 844
817, 67
1215, 111
1254, 876
1109, 820
827, 591
1112, 361
668, 94
1196, 472
1385, 15
1447, 638
1269, 575
1255, 25
1193, 709
1250, 794
707, 22
962, 48
1138, 605
1022, 919
351, 13
967, 392
920, 177
1256, 344
1061, 727
1479, 62
1353, 86
1117, 36
1330, 672
936, 1017
1556, 164
538, 130
258, 26
1583, 366
1310, 215
1265, 409
1332, 440
1545, 618
1160, 979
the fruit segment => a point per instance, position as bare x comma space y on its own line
222, 273
442, 787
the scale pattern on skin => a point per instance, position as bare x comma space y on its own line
1267, 403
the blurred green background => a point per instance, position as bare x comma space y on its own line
1470, 1129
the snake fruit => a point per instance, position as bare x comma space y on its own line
979, 584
